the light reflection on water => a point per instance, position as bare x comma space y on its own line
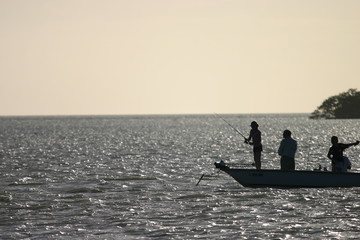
135, 176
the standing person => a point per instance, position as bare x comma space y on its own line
336, 155
255, 136
287, 150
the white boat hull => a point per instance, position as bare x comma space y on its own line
293, 179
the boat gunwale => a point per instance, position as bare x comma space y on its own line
290, 171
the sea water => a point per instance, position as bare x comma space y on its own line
134, 177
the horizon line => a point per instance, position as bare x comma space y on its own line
147, 114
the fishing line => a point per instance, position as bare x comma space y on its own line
230, 125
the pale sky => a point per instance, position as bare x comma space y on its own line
75, 57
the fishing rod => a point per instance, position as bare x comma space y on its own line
211, 176
200, 179
218, 172
202, 176
230, 125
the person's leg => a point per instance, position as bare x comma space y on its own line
292, 164
287, 163
257, 159
336, 167
283, 163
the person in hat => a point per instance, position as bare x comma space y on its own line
254, 139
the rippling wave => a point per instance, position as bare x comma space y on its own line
134, 177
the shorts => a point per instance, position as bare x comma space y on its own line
258, 149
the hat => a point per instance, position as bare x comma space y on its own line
254, 124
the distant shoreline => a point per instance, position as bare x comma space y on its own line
153, 115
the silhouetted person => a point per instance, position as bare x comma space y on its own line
339, 162
255, 140
287, 150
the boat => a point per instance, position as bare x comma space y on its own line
291, 179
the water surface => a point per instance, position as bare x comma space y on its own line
134, 177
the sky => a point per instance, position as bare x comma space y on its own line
121, 57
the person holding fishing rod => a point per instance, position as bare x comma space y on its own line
255, 136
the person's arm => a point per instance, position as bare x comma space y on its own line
281, 148
346, 145
247, 140
329, 155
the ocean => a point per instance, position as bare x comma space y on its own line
134, 177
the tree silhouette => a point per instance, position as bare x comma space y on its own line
342, 106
